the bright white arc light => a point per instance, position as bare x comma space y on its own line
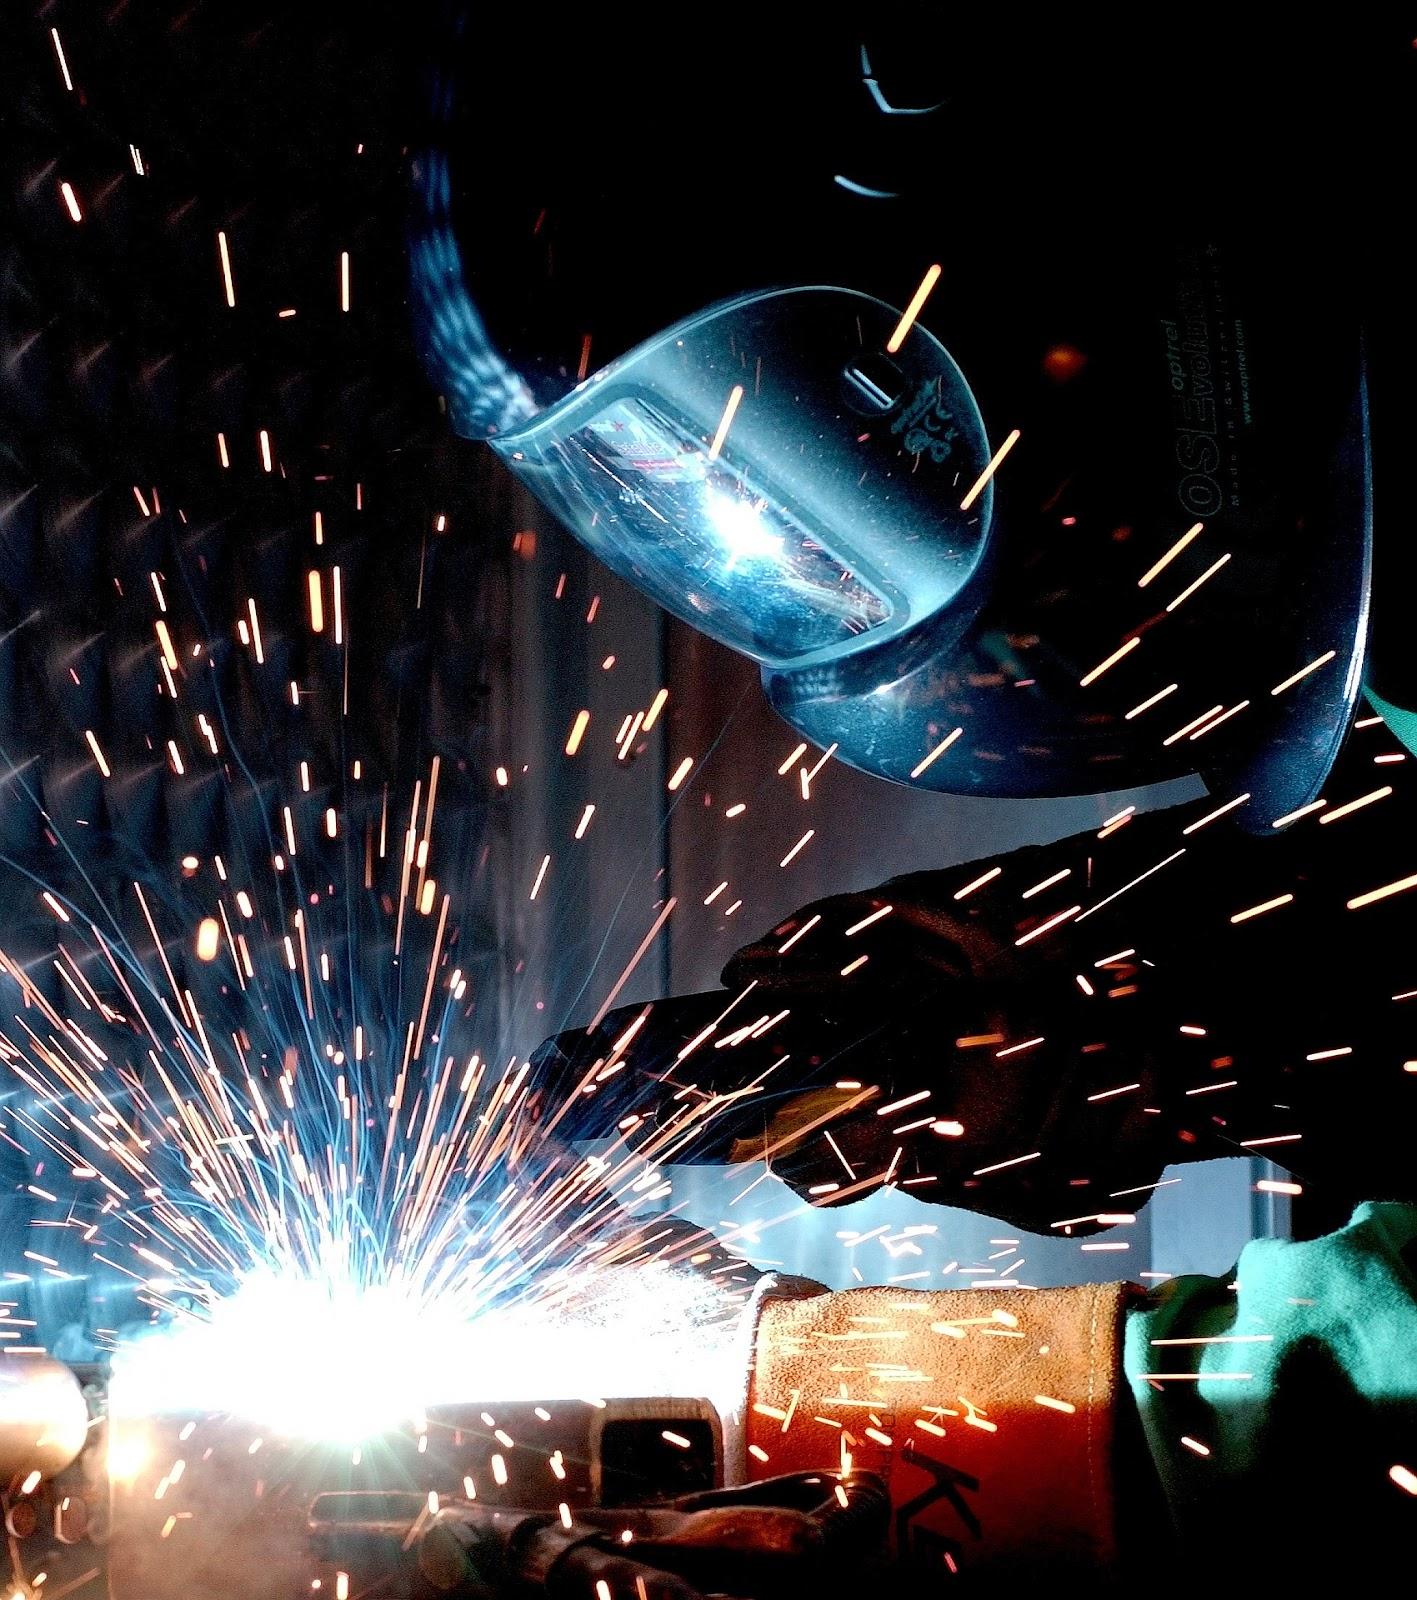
343, 1362
738, 523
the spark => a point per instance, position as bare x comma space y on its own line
540, 876
995, 462
1166, 560
1303, 672
1188, 728
1016, 1049
867, 921
1048, 926
792, 938
97, 753
655, 707
1212, 816
1196, 1377
936, 753
226, 277
71, 201
913, 310
1152, 700
1047, 883
978, 883
1351, 806
577, 733
1303, 811
1141, 877
801, 844
1124, 649
735, 397
63, 62
999, 1166
1224, 717
1388, 889
1191, 588
1264, 906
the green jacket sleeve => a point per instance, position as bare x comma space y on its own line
1280, 1406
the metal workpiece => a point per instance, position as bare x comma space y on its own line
43, 1417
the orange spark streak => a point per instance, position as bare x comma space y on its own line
608, 1003
577, 733
1192, 725
866, 922
936, 753
1045, 927
1166, 560
226, 270
1191, 588
541, 873
1211, 816
913, 310
1047, 883
655, 707
801, 933
97, 753
1111, 661
1147, 704
726, 421
1304, 672
1356, 805
1373, 895
801, 843
978, 883
989, 471
1303, 811
1267, 905
1140, 878
1013, 1161
63, 64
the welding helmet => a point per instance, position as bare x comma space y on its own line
988, 405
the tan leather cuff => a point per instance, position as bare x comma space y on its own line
991, 1415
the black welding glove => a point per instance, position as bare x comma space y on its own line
1037, 1037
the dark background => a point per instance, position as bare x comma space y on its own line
288, 128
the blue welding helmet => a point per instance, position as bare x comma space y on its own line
1068, 490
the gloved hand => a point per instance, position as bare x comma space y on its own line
1037, 1037
1000, 1423
942, 1063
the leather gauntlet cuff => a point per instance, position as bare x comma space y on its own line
992, 1415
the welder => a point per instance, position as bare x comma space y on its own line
1100, 511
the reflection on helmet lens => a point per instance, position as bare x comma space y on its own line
695, 532
766, 473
